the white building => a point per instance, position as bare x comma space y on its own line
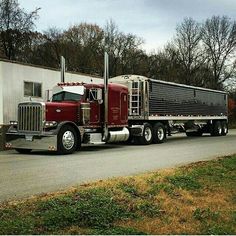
19, 82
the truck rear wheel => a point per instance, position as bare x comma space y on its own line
224, 125
159, 133
67, 140
147, 135
216, 129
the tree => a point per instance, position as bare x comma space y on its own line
15, 26
165, 65
87, 41
123, 49
219, 38
187, 42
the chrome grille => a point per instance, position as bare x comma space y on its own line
30, 117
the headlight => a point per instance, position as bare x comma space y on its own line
14, 123
50, 124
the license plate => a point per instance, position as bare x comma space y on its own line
29, 138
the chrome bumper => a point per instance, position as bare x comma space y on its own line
31, 141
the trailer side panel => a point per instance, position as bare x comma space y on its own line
177, 100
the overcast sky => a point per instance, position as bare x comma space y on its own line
153, 20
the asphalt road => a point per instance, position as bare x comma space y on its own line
41, 172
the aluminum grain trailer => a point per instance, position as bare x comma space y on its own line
158, 108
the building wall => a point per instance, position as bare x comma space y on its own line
12, 77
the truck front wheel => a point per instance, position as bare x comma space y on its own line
67, 140
159, 133
147, 135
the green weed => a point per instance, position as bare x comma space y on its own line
218, 229
91, 208
156, 188
149, 209
205, 214
187, 182
130, 189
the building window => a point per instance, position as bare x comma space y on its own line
32, 89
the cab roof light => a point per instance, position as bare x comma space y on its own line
70, 84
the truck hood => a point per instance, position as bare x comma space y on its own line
62, 111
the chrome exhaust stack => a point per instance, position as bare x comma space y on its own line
106, 76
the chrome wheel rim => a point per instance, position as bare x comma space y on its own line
148, 134
68, 140
160, 134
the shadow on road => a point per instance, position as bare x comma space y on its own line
175, 138
84, 149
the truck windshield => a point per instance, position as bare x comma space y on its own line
66, 96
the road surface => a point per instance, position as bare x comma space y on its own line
41, 172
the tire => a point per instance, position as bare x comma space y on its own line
224, 125
147, 135
216, 129
159, 133
23, 151
67, 140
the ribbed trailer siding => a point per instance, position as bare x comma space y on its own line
176, 100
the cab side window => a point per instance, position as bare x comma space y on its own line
92, 94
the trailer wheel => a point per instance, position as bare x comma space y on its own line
216, 129
23, 151
67, 140
147, 135
224, 125
159, 133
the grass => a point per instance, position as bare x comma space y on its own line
196, 199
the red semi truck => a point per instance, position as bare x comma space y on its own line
130, 108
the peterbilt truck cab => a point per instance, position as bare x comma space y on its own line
75, 115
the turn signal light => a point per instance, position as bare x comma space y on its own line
8, 145
52, 148
13, 122
49, 124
